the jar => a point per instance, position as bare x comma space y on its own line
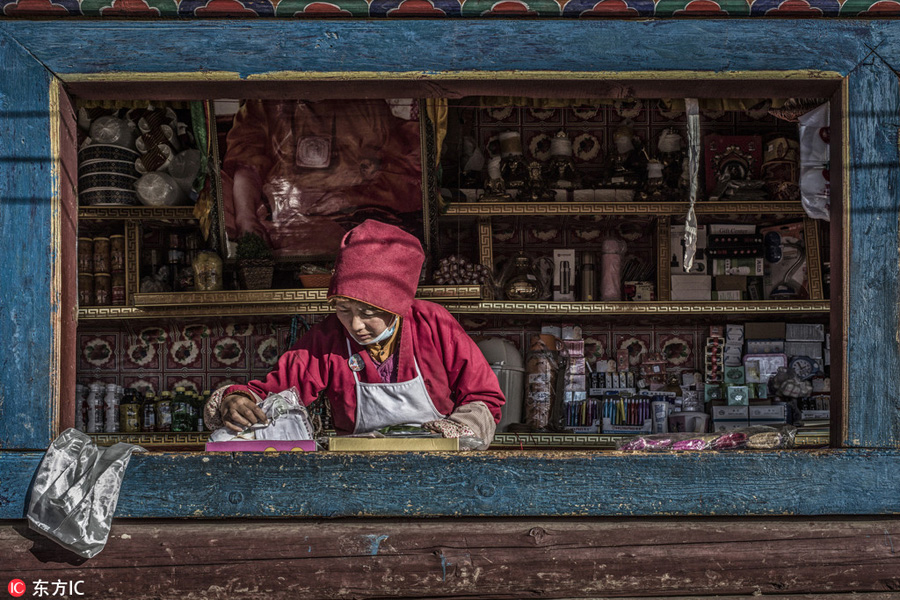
101, 255
521, 282
102, 289
85, 255
541, 371
208, 272
118, 289
117, 253
85, 289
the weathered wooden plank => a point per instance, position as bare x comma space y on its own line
873, 348
228, 49
524, 484
546, 558
29, 296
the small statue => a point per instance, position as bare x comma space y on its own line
512, 163
494, 188
627, 163
562, 166
535, 189
671, 156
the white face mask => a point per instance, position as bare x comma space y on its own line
388, 332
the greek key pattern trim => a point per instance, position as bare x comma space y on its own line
663, 278
151, 439
132, 235
813, 261
641, 308
137, 213
485, 242
621, 208
510, 441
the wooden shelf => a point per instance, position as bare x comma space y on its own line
137, 213
536, 209
250, 303
641, 308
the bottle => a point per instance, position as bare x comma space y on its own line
129, 412
148, 413
174, 258
111, 408
201, 426
95, 409
164, 412
181, 411
588, 278
80, 421
521, 282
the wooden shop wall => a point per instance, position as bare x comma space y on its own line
823, 490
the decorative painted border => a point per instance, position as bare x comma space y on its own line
393, 9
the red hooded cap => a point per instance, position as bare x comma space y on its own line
378, 264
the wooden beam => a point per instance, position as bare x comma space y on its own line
496, 484
873, 345
426, 49
30, 280
466, 558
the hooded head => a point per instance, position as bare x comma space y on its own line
378, 264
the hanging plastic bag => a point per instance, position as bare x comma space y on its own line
76, 490
815, 154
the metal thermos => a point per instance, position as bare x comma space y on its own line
588, 277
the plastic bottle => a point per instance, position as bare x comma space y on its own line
95, 408
181, 411
129, 412
164, 412
111, 409
148, 413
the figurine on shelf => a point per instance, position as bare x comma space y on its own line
671, 156
627, 163
512, 164
535, 189
562, 166
494, 188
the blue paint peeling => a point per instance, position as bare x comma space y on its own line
375, 542
444, 564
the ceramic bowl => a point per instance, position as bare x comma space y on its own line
158, 189
106, 180
106, 152
108, 196
122, 167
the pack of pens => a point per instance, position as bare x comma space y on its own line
626, 414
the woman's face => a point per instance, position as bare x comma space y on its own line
363, 321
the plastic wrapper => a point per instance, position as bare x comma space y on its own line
542, 371
75, 491
815, 154
758, 437
288, 420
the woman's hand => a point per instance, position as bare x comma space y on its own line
239, 412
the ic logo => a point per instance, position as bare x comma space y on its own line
16, 588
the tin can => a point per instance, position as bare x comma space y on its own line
85, 255
102, 289
118, 289
101, 255
85, 289
117, 253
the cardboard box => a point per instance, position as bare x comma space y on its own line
726, 283
734, 375
804, 332
730, 417
759, 367
691, 287
810, 349
393, 444
262, 446
738, 266
764, 331
563, 274
728, 296
728, 228
738, 395
776, 413
765, 346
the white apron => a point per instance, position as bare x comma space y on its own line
383, 404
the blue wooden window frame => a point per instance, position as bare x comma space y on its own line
861, 478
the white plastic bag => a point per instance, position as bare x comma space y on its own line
75, 491
288, 420
815, 154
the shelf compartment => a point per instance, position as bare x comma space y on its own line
137, 213
484, 209
568, 309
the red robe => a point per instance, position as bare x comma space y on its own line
453, 367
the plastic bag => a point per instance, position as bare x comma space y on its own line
758, 437
75, 491
815, 154
288, 420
